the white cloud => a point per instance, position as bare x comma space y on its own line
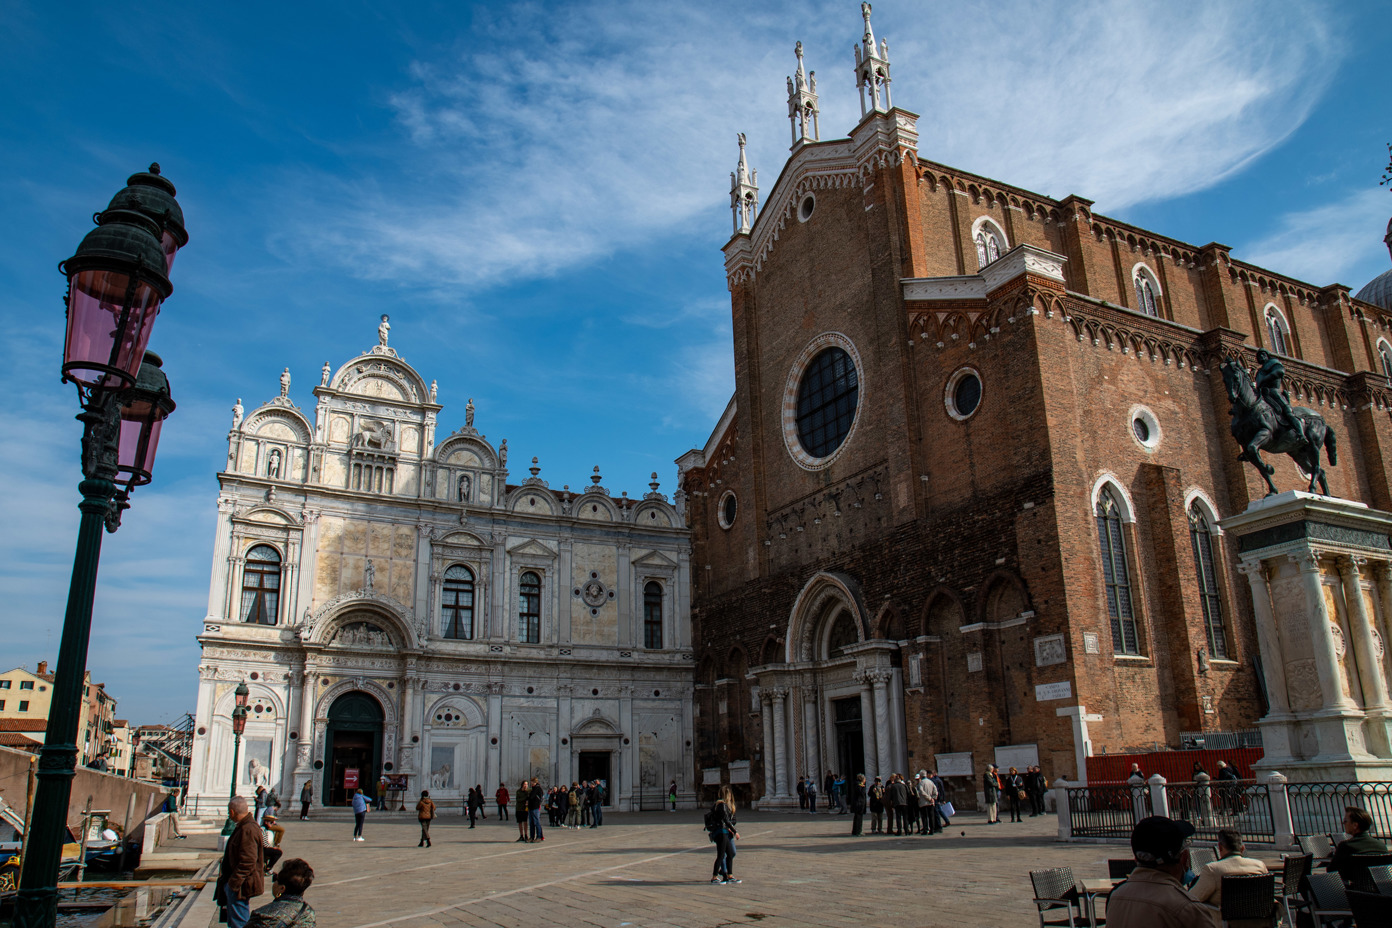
559, 135
1338, 242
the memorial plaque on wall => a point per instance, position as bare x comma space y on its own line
1018, 756
954, 765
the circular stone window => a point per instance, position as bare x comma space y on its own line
820, 400
1145, 428
805, 208
729, 507
963, 394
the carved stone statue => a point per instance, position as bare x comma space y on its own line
273, 464
433, 389
502, 454
465, 487
383, 330
324, 374
258, 774
369, 576
285, 382
237, 413
469, 413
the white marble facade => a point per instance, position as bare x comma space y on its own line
361, 515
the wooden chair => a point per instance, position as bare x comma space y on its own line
1057, 889
1119, 868
1250, 901
1324, 892
1319, 847
1370, 910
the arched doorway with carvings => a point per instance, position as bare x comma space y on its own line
352, 747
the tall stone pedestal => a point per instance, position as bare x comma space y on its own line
1320, 577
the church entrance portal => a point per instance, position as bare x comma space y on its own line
594, 765
850, 741
352, 747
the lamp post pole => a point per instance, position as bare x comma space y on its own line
116, 282
239, 717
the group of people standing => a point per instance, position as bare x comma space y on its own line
580, 806
902, 807
1013, 789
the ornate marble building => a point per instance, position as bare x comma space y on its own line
397, 606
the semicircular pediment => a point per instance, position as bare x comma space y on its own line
380, 377
361, 630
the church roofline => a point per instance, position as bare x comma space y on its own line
698, 457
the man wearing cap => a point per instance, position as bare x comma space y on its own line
1153, 896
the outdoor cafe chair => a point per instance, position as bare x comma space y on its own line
1358, 876
1057, 889
1294, 869
1119, 868
1382, 878
1370, 910
1328, 902
1199, 857
1317, 846
1250, 901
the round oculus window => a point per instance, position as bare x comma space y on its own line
729, 508
805, 208
963, 394
1145, 428
826, 402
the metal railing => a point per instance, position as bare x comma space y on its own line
1107, 811
1241, 804
1221, 740
1318, 808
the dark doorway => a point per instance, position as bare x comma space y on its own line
594, 765
353, 741
850, 740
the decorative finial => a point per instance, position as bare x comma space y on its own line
535, 468
654, 484
154, 167
802, 103
744, 192
872, 69
595, 478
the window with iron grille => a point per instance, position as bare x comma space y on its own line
826, 403
529, 608
652, 615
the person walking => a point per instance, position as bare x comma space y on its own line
858, 803
990, 793
1015, 790
425, 814
722, 829
469, 806
242, 875
502, 798
672, 795
482, 803
521, 811
288, 909
306, 797
359, 813
535, 796
876, 795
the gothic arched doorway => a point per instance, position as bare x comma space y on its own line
352, 747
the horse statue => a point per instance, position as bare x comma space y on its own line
1259, 426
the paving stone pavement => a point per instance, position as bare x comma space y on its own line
652, 870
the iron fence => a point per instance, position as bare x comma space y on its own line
1241, 804
1318, 808
1221, 740
1107, 811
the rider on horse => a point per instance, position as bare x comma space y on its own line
1270, 383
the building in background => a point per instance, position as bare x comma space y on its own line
119, 756
26, 695
964, 504
397, 606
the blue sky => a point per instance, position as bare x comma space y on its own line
537, 195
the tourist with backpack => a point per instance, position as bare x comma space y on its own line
720, 825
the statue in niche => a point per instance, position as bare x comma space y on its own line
237, 413
465, 485
285, 382
502, 454
324, 375
369, 575
469, 413
273, 464
383, 330
258, 774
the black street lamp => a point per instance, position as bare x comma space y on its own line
117, 281
239, 717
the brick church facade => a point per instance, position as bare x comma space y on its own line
964, 504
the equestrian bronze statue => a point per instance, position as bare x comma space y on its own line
1264, 420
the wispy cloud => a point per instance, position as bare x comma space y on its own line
1337, 242
554, 135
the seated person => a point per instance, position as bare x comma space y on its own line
272, 834
1230, 862
1357, 824
288, 910
1152, 896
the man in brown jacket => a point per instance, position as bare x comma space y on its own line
425, 812
1152, 896
243, 873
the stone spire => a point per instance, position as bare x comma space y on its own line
744, 192
802, 103
872, 69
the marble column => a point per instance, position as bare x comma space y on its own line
1268, 639
770, 770
1383, 621
780, 739
811, 734
884, 737
1321, 635
410, 703
869, 731
1367, 647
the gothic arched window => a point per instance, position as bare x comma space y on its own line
1278, 331
652, 615
1385, 354
1116, 574
529, 608
990, 243
1201, 535
457, 603
1147, 292
261, 585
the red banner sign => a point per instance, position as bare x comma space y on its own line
350, 778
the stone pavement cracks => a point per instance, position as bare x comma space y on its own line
652, 870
